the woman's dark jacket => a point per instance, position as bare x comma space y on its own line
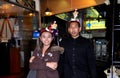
78, 58
39, 63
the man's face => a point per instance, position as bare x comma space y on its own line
74, 29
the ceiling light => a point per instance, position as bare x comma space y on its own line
12, 5
31, 14
48, 12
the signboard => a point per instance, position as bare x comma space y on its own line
95, 24
25, 3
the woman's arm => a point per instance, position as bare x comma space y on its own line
37, 64
52, 65
40, 64
31, 59
53, 62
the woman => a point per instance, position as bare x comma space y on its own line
45, 58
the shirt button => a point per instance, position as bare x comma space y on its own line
73, 66
73, 54
74, 72
46, 59
73, 60
73, 48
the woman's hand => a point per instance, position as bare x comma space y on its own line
52, 65
31, 59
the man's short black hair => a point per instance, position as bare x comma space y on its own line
73, 22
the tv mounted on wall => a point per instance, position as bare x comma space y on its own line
36, 34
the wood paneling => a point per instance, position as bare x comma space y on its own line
15, 60
60, 6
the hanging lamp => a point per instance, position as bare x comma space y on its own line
48, 11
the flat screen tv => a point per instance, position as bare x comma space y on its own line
35, 34
94, 24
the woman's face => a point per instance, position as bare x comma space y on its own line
46, 38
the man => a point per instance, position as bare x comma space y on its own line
79, 59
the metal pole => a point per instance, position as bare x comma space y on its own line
113, 10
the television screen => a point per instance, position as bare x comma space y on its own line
95, 24
35, 34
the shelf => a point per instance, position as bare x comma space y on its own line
117, 25
117, 62
116, 29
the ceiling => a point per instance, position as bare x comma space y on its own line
56, 6
60, 6
8, 9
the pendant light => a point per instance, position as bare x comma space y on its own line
48, 11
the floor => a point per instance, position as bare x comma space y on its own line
12, 76
17, 75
